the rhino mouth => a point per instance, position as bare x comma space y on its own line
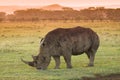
40, 68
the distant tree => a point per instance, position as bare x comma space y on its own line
100, 8
101, 13
2, 16
10, 17
20, 15
67, 9
91, 8
118, 14
92, 13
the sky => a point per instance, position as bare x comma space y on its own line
61, 2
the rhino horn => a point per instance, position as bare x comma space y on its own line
32, 56
27, 62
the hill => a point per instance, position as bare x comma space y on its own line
53, 7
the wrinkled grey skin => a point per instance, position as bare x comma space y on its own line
66, 42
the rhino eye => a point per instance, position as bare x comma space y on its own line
43, 44
35, 62
43, 59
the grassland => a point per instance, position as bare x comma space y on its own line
21, 39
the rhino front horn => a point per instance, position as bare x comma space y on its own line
27, 62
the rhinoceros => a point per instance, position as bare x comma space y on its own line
66, 42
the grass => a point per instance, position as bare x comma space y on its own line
21, 39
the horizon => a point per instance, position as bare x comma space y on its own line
118, 6
9, 9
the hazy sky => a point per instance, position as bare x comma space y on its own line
61, 2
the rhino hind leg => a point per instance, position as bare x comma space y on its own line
57, 62
91, 56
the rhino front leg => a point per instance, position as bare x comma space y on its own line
67, 59
57, 62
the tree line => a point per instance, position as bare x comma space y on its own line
91, 13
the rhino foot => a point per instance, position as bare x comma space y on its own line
90, 65
56, 68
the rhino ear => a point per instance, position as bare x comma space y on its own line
42, 42
41, 39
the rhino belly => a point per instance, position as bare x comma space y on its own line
77, 53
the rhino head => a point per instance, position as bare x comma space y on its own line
43, 59
40, 63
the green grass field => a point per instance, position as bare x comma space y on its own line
21, 39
